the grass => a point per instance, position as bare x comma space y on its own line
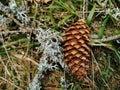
102, 28
19, 57
90, 16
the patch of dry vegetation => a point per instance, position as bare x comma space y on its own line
19, 54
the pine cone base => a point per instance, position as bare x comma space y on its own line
76, 48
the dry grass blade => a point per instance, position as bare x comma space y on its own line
95, 61
21, 57
6, 69
10, 83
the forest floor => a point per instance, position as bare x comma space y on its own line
19, 58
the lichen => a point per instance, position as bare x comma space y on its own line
49, 40
50, 46
18, 12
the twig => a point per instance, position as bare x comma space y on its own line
93, 76
112, 38
83, 10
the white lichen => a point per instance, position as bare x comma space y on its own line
114, 12
2, 20
50, 46
36, 84
19, 13
12, 5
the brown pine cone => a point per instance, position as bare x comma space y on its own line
77, 49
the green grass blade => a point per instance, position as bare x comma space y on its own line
55, 7
91, 14
15, 42
117, 53
65, 6
17, 48
102, 28
107, 73
8, 51
63, 20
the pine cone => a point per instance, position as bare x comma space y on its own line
76, 48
